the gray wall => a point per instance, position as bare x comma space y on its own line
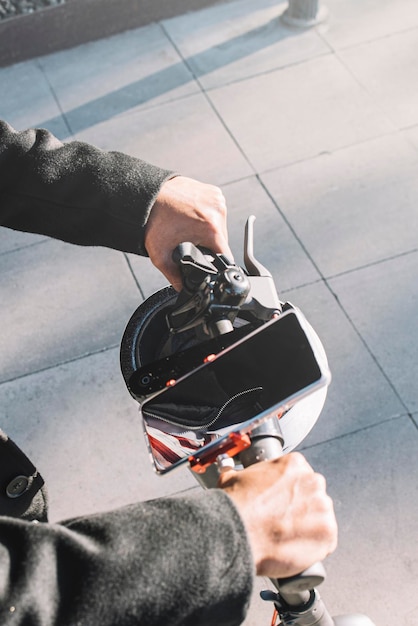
79, 21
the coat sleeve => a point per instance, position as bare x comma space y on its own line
173, 561
74, 191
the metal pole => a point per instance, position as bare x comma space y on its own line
304, 13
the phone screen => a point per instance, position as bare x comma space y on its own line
259, 375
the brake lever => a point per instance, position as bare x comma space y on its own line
263, 301
253, 266
215, 289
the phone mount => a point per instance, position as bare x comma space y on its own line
171, 334
218, 297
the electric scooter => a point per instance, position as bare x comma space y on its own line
228, 375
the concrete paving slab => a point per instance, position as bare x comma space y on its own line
372, 476
61, 302
351, 23
275, 245
382, 302
235, 40
186, 136
260, 612
13, 240
299, 112
353, 207
149, 278
386, 68
26, 98
83, 430
359, 394
97, 81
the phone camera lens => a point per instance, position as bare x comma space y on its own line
146, 380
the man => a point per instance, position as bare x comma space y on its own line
183, 560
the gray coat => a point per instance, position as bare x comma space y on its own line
132, 565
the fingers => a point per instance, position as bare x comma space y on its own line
321, 513
227, 477
295, 462
269, 473
166, 265
319, 507
185, 210
288, 515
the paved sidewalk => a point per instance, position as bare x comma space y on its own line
316, 133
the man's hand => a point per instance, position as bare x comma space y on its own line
288, 516
185, 210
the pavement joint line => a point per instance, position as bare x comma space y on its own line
186, 490
238, 180
368, 348
372, 264
209, 101
309, 283
230, 133
186, 60
331, 152
134, 276
411, 417
293, 231
410, 127
321, 32
386, 420
151, 106
59, 364
367, 42
359, 268
38, 63
363, 87
408, 139
267, 72
23, 247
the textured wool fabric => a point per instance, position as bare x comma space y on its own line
176, 561
74, 191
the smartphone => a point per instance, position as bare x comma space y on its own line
260, 376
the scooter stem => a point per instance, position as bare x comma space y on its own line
297, 600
